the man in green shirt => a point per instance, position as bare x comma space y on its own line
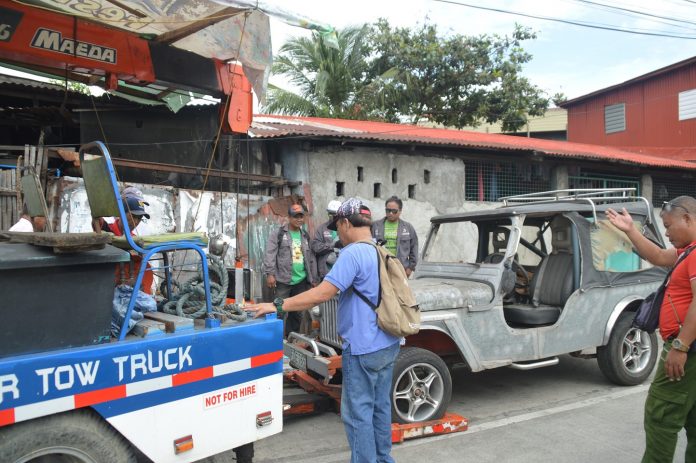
399, 235
289, 264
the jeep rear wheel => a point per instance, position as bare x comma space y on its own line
421, 386
630, 356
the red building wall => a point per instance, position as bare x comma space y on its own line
652, 113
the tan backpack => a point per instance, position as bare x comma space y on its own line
397, 310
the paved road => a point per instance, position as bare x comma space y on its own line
566, 413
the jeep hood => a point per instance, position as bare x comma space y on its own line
439, 294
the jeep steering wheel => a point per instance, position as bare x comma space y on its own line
519, 270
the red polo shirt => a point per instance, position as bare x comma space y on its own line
679, 294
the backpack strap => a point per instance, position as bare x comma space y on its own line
379, 292
680, 259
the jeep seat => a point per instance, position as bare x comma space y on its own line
552, 284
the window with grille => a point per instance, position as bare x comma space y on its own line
488, 181
668, 188
601, 180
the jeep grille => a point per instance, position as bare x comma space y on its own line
328, 331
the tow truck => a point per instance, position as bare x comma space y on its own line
69, 391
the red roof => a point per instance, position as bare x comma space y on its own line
271, 126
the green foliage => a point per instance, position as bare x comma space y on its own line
328, 79
455, 80
73, 86
558, 99
402, 74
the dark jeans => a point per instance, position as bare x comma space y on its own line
293, 320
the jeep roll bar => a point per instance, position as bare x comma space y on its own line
592, 196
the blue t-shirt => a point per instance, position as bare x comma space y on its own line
357, 266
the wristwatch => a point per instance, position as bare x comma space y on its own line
680, 346
278, 302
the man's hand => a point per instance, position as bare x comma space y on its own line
674, 364
271, 281
622, 220
261, 309
409, 272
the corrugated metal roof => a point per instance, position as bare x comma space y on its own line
14, 80
554, 120
649, 75
265, 126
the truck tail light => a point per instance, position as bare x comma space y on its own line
264, 419
183, 444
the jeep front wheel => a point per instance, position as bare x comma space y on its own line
421, 386
630, 356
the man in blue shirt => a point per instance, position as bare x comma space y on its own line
368, 351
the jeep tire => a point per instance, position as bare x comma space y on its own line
421, 386
630, 356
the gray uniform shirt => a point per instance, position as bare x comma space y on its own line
278, 258
406, 242
322, 245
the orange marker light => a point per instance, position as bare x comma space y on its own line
183, 444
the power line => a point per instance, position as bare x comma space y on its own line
609, 9
565, 21
642, 13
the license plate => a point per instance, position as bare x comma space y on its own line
298, 360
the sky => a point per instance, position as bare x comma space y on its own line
569, 59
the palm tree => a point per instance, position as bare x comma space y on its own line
329, 81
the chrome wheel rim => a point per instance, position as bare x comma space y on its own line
57, 454
636, 350
418, 392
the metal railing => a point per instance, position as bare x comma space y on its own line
592, 196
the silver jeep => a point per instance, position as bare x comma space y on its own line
516, 286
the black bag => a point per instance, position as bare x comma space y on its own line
647, 316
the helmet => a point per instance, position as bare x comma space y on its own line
333, 206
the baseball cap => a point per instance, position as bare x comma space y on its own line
350, 206
295, 209
333, 206
133, 192
136, 207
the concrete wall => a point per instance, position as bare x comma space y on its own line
323, 167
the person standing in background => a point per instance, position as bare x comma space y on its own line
326, 242
399, 236
289, 264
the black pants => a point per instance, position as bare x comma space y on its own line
293, 320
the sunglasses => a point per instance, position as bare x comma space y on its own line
392, 211
298, 216
668, 206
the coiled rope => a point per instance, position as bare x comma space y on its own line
189, 301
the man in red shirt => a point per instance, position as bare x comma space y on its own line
671, 402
